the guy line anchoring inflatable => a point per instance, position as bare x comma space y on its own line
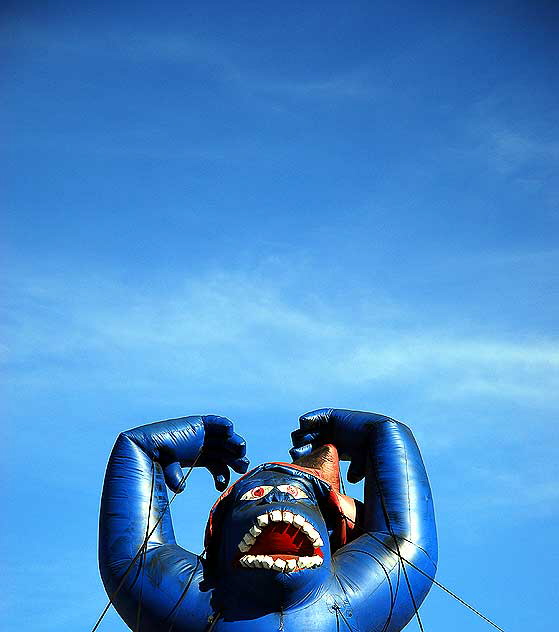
285, 549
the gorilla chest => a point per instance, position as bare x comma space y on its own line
328, 614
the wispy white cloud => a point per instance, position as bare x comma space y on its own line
242, 332
520, 490
523, 151
116, 44
355, 84
505, 259
220, 63
512, 150
466, 366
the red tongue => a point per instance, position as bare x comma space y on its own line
283, 539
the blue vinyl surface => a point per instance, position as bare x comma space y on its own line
339, 567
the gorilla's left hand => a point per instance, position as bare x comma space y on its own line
348, 430
199, 441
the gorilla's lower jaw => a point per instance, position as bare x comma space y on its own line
281, 563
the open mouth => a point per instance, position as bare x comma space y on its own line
281, 541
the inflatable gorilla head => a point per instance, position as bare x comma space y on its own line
271, 534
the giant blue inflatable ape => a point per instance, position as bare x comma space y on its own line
284, 549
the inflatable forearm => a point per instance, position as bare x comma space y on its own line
135, 500
397, 518
285, 549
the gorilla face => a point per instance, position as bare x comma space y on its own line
273, 536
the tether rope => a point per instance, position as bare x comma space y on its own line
435, 582
338, 610
184, 592
144, 544
144, 554
337, 620
393, 592
391, 531
143, 549
214, 621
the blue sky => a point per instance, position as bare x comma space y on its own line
254, 210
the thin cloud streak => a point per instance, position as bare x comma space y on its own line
516, 490
511, 151
222, 325
223, 65
527, 154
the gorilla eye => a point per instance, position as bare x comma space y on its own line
256, 492
292, 490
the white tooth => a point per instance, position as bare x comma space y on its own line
288, 516
318, 542
298, 520
303, 562
267, 561
279, 565
317, 560
257, 562
243, 548
244, 560
255, 531
309, 530
249, 539
275, 516
290, 565
262, 520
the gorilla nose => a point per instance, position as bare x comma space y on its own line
276, 496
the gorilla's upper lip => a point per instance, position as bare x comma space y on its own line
281, 540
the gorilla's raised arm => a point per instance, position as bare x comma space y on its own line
135, 500
398, 518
